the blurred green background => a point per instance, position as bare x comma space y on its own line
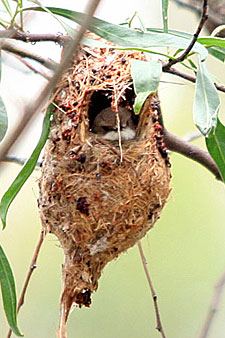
185, 250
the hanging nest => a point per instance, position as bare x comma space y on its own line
99, 197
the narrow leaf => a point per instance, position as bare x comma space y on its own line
172, 32
145, 75
206, 102
7, 6
217, 52
125, 36
209, 41
3, 119
26, 170
8, 292
215, 143
165, 15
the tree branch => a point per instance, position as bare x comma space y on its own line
154, 295
30, 272
191, 151
29, 37
213, 307
190, 78
181, 58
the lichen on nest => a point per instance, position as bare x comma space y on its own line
97, 197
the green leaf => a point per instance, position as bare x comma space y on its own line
172, 32
209, 41
8, 292
145, 75
7, 6
128, 37
215, 143
3, 119
217, 52
27, 169
206, 103
165, 15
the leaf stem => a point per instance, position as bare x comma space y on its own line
176, 144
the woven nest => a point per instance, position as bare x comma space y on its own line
98, 197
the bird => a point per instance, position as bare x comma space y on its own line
105, 124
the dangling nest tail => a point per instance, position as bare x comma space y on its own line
98, 198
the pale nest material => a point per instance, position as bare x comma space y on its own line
97, 198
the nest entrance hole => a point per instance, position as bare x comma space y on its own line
102, 99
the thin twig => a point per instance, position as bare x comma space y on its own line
181, 58
33, 107
175, 143
154, 296
213, 307
30, 272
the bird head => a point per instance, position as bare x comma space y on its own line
106, 124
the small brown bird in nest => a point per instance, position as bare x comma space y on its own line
106, 124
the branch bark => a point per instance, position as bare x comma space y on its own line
175, 143
29, 37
